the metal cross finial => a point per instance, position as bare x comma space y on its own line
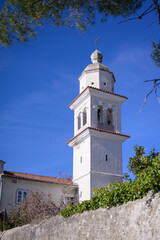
96, 41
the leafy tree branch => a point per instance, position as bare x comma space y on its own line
20, 19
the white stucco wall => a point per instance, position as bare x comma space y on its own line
88, 78
84, 184
98, 79
99, 149
81, 168
94, 171
101, 180
10, 187
102, 171
81, 151
106, 81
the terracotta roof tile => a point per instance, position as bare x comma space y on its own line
108, 92
26, 176
98, 90
100, 130
116, 133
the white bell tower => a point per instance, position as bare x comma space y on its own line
97, 141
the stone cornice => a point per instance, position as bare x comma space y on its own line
96, 132
81, 97
79, 138
96, 92
98, 67
99, 173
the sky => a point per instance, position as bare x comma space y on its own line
39, 79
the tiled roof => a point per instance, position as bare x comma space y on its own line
101, 90
26, 176
108, 92
100, 130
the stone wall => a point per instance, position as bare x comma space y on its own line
139, 220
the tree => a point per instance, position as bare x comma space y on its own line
156, 53
156, 82
140, 162
20, 19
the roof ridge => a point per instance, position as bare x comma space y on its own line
35, 174
41, 178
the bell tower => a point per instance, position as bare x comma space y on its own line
97, 141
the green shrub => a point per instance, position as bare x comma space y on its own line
140, 162
115, 194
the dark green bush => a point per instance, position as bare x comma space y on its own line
118, 193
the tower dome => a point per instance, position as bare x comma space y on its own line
97, 75
96, 57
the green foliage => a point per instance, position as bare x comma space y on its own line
116, 8
140, 162
20, 19
5, 226
156, 53
118, 193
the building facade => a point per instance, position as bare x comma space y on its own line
97, 141
15, 186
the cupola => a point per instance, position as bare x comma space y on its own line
97, 75
96, 57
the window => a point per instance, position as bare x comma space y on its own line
79, 121
20, 195
109, 116
92, 83
81, 159
100, 114
70, 200
84, 117
80, 194
106, 158
104, 83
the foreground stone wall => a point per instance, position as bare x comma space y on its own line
139, 220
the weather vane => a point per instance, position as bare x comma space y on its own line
96, 41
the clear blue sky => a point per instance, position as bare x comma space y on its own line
39, 79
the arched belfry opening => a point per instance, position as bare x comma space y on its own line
105, 118
100, 116
110, 119
84, 116
109, 116
79, 121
